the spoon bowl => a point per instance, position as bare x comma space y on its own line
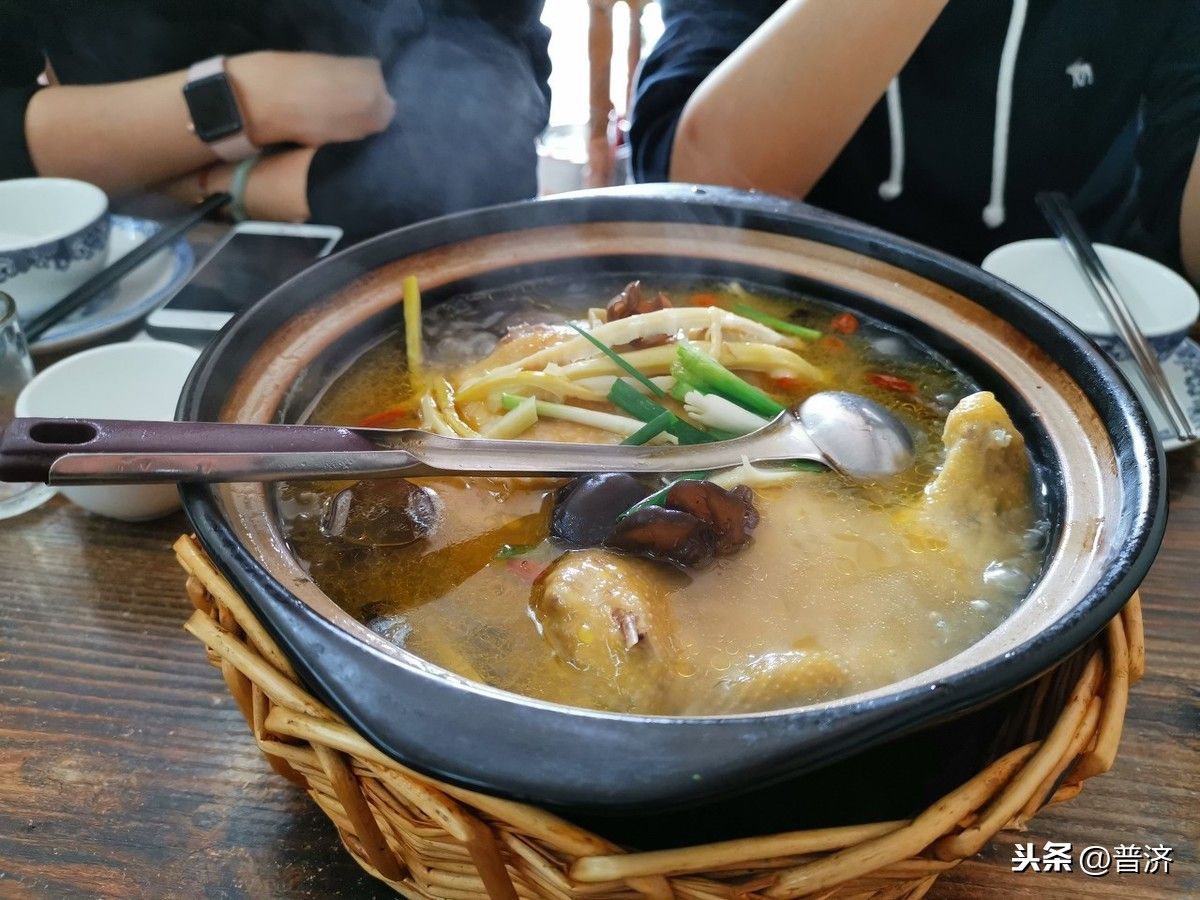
857, 436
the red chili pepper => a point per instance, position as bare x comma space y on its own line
390, 416
704, 300
844, 323
832, 344
892, 383
788, 383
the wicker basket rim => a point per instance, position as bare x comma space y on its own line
427, 838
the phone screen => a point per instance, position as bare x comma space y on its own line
245, 269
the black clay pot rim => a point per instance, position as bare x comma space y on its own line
1140, 457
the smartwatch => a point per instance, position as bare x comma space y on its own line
216, 119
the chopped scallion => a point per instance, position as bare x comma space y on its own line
511, 551
780, 325
683, 386
604, 421
708, 375
714, 411
624, 397
651, 429
620, 361
515, 422
660, 496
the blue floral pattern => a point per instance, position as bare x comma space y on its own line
1161, 345
1183, 373
58, 255
1189, 360
122, 304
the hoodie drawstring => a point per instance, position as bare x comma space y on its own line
894, 186
993, 213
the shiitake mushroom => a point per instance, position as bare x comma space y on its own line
730, 513
697, 521
634, 301
586, 509
380, 513
667, 534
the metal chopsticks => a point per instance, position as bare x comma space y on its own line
1058, 213
106, 278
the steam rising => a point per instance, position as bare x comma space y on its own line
469, 80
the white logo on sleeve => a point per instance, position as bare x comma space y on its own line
1081, 73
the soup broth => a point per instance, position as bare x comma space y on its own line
836, 587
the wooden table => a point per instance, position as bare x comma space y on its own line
127, 771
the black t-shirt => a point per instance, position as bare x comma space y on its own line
469, 78
1105, 107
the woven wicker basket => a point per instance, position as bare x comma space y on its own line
430, 839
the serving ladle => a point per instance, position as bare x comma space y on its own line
844, 431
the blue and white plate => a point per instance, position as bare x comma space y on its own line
133, 297
1183, 371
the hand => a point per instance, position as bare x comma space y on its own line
310, 98
277, 190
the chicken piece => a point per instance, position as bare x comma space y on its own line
604, 615
986, 473
519, 342
778, 680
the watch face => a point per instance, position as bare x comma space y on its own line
213, 107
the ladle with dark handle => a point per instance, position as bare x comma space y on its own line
844, 431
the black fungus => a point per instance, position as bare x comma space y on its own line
586, 509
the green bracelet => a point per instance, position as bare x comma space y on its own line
237, 187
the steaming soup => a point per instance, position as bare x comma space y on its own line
727, 592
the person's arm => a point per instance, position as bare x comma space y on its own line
277, 189
466, 138
135, 134
777, 112
1168, 186
20, 64
1189, 222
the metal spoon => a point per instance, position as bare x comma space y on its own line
848, 433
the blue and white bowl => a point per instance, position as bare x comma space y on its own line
53, 238
1163, 304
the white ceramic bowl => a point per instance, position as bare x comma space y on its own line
53, 237
135, 380
1163, 303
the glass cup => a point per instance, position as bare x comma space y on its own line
16, 370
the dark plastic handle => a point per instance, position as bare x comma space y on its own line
29, 447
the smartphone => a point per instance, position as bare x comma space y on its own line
252, 259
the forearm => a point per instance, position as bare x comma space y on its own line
779, 110
277, 189
1189, 222
135, 134
119, 136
